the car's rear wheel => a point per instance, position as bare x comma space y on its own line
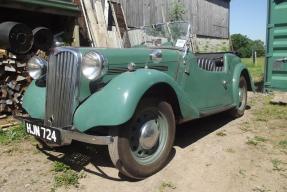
239, 110
142, 146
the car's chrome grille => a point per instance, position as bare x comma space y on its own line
62, 88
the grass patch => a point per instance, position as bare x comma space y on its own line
166, 185
242, 172
221, 133
277, 165
60, 167
261, 189
256, 140
283, 144
260, 139
256, 70
65, 176
268, 111
245, 127
13, 134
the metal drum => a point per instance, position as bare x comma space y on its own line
16, 37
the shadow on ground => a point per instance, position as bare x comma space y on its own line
78, 155
193, 131
259, 86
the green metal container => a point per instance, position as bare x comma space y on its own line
276, 56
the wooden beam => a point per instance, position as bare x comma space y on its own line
102, 27
119, 37
93, 24
76, 36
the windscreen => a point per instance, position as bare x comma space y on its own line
166, 35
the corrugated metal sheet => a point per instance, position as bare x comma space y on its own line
208, 17
276, 65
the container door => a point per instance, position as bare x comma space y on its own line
276, 66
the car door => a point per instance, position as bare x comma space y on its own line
209, 90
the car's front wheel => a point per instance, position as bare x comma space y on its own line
239, 110
142, 146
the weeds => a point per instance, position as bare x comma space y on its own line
242, 172
251, 142
221, 133
283, 144
276, 165
65, 176
256, 70
256, 140
166, 185
261, 189
13, 134
269, 111
245, 127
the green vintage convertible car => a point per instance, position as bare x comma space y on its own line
132, 99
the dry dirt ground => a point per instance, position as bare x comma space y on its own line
215, 154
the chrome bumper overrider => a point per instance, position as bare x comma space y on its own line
67, 136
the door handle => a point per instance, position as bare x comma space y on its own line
284, 60
224, 82
186, 68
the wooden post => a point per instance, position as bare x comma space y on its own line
93, 43
102, 28
106, 12
76, 36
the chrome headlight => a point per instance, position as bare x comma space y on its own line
37, 67
93, 65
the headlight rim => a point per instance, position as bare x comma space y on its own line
43, 64
103, 69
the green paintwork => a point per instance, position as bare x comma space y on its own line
34, 101
120, 97
276, 71
199, 92
60, 7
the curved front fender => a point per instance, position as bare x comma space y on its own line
116, 102
34, 101
239, 70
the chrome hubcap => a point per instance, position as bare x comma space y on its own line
242, 97
149, 135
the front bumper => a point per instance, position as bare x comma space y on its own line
68, 135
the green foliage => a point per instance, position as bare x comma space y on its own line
60, 167
66, 179
177, 12
256, 70
65, 176
244, 46
221, 133
258, 45
166, 185
269, 111
283, 144
277, 165
13, 134
256, 140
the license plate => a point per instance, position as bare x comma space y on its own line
46, 133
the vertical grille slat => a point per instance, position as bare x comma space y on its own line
62, 79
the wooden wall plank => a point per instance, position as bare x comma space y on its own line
208, 17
